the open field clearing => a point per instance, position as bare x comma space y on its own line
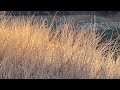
62, 48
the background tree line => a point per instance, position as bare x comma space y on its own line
103, 13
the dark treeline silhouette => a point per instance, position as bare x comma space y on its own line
99, 13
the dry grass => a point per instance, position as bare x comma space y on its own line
34, 51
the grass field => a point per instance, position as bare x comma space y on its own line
33, 49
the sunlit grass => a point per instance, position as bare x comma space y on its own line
34, 50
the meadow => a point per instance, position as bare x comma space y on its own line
39, 48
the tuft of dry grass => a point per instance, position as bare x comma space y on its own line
33, 50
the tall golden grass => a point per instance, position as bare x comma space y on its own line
32, 50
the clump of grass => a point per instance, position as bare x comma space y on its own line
32, 50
